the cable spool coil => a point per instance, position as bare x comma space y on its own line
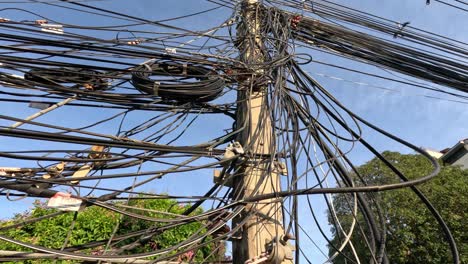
186, 82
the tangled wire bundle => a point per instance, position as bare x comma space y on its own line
130, 129
89, 79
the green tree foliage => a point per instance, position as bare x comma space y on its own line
413, 235
95, 223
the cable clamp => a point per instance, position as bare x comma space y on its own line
280, 250
229, 152
238, 149
233, 149
156, 88
2, 20
171, 50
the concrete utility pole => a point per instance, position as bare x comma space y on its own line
262, 222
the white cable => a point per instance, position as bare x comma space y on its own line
351, 230
43, 112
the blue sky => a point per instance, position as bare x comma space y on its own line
406, 111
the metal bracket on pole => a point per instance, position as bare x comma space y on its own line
280, 251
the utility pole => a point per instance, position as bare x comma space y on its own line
261, 223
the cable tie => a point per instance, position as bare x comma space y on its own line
210, 152
184, 69
40, 21
52, 28
156, 88
171, 50
134, 42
